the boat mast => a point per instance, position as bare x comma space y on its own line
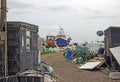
61, 32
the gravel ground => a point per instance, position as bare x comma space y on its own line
68, 72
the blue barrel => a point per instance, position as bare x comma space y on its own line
69, 54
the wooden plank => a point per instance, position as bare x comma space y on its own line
2, 35
3, 41
114, 75
90, 65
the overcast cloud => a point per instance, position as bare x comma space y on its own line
80, 19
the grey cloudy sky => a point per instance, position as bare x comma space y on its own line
80, 19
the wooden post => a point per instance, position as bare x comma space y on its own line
107, 46
3, 27
3, 14
4, 23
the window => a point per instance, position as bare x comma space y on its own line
28, 40
22, 41
28, 43
28, 34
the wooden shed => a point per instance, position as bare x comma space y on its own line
22, 46
112, 39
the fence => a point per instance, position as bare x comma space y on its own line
22, 79
9, 79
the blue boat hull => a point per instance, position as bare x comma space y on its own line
61, 42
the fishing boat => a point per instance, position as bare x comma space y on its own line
61, 39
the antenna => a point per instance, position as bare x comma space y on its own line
100, 33
61, 31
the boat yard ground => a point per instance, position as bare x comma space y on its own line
69, 72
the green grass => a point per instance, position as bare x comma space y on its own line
46, 52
